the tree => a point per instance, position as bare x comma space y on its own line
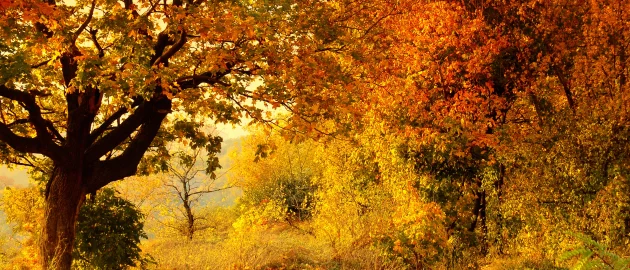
183, 180
90, 85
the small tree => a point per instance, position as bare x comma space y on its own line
189, 181
108, 233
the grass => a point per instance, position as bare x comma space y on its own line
275, 248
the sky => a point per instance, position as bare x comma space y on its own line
15, 177
231, 131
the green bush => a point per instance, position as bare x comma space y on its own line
594, 255
108, 233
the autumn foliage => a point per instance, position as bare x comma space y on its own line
386, 134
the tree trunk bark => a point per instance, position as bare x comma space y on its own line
190, 221
64, 197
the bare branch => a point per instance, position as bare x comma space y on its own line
205, 191
176, 173
18, 122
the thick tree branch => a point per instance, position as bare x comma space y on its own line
34, 112
128, 4
101, 51
162, 41
126, 164
84, 24
18, 122
40, 64
29, 145
19, 143
210, 78
54, 131
82, 109
106, 124
163, 59
112, 139
69, 68
110, 120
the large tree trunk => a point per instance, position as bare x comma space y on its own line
64, 198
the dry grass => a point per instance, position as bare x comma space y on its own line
275, 248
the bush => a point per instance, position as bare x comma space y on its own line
108, 233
